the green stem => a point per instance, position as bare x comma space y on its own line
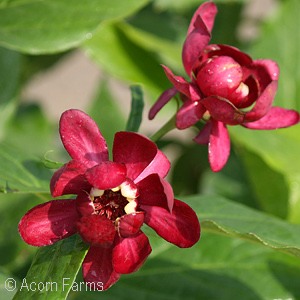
170, 125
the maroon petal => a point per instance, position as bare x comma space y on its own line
203, 136
163, 99
130, 253
181, 227
98, 270
49, 222
155, 191
219, 146
207, 11
96, 230
223, 111
130, 224
159, 165
277, 117
270, 67
69, 179
240, 57
179, 82
106, 175
263, 103
194, 45
81, 137
189, 114
84, 204
135, 151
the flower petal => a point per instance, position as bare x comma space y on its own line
181, 227
98, 270
207, 11
130, 224
263, 103
49, 222
179, 82
240, 57
277, 117
189, 114
155, 191
194, 45
159, 165
130, 253
219, 146
96, 230
203, 136
81, 137
265, 71
223, 111
135, 151
84, 203
106, 175
69, 179
163, 99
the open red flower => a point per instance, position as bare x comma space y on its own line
114, 199
227, 87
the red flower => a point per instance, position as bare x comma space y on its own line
227, 88
114, 198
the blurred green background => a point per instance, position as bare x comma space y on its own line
249, 212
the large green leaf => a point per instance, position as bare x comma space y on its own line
222, 216
280, 151
27, 138
55, 25
216, 268
270, 187
53, 270
21, 172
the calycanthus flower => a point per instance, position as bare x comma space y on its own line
114, 198
227, 87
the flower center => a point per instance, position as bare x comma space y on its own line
116, 202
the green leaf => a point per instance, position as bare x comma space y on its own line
184, 5
7, 285
280, 151
14, 253
222, 216
56, 25
53, 270
21, 172
9, 79
137, 106
281, 43
270, 186
216, 268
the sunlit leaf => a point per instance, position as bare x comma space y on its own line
56, 25
53, 270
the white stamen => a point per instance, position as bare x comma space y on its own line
130, 207
96, 192
128, 190
116, 189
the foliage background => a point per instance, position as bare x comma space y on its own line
249, 212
